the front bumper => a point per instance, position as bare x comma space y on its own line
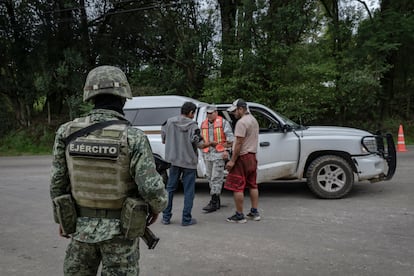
389, 154
370, 167
379, 165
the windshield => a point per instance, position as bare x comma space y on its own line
289, 122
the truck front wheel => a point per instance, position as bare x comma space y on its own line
330, 177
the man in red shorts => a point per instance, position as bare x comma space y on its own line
242, 167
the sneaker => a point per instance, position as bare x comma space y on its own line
253, 216
192, 222
237, 218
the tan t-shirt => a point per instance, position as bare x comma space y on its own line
248, 128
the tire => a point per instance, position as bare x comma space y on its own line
330, 177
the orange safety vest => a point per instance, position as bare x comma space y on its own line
218, 132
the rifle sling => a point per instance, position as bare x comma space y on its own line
85, 131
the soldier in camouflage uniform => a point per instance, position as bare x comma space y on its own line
109, 165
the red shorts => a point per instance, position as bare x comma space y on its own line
243, 174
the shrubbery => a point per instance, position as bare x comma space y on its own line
37, 140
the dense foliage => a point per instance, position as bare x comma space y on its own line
317, 61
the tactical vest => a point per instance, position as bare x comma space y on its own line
218, 133
98, 166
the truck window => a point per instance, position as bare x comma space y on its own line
151, 116
266, 123
265, 120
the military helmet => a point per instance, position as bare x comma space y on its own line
106, 80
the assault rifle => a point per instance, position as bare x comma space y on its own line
161, 166
150, 239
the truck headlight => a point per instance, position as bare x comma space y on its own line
369, 144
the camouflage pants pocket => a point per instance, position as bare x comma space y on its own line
134, 217
65, 212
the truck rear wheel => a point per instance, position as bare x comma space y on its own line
330, 177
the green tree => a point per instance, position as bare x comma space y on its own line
16, 46
385, 42
326, 61
266, 34
178, 50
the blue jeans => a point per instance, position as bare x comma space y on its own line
188, 178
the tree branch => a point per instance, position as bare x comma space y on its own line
366, 8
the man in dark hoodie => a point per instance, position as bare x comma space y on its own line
181, 136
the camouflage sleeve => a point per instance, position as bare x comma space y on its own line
142, 169
59, 183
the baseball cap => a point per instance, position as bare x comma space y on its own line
237, 103
211, 108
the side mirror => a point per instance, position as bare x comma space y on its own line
286, 128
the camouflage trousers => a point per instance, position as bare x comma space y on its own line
119, 256
215, 175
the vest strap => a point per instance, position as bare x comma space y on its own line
91, 128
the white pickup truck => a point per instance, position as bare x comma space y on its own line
329, 159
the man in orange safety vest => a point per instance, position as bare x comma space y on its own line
215, 128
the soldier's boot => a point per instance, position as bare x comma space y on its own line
218, 202
212, 205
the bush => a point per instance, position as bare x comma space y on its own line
32, 141
6, 116
393, 125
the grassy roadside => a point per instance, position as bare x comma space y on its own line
36, 141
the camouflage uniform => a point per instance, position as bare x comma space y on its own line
100, 239
214, 160
215, 128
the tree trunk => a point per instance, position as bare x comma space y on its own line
387, 80
86, 45
228, 11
